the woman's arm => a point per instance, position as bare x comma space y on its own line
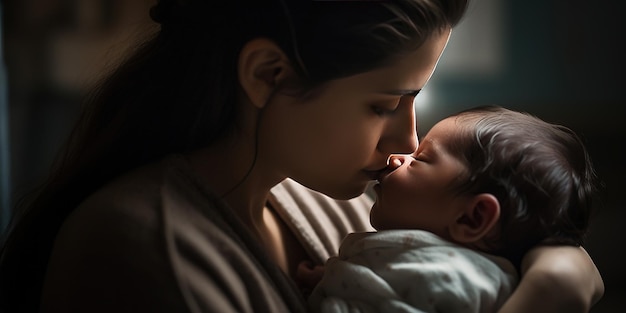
556, 279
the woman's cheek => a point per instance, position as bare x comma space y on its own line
359, 144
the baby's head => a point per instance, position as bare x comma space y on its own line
540, 173
494, 179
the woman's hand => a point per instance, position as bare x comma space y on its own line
556, 279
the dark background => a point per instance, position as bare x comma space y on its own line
562, 60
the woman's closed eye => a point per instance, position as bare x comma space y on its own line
385, 109
382, 111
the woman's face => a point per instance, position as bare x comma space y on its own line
418, 190
339, 140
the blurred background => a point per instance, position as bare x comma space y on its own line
562, 60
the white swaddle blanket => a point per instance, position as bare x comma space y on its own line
411, 271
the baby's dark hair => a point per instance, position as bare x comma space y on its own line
541, 173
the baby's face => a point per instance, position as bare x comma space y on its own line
417, 192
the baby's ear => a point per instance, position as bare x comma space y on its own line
261, 68
478, 218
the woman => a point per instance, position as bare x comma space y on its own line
169, 195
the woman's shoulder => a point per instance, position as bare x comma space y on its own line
135, 198
110, 250
126, 204
156, 234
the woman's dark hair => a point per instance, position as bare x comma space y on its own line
178, 92
541, 174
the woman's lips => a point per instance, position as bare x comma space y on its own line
383, 174
373, 175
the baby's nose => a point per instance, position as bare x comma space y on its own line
396, 161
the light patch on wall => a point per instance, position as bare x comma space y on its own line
427, 109
422, 101
477, 44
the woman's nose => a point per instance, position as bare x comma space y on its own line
401, 133
408, 143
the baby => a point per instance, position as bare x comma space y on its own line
455, 218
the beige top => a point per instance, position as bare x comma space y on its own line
157, 240
320, 222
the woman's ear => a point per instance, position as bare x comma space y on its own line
478, 218
261, 67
